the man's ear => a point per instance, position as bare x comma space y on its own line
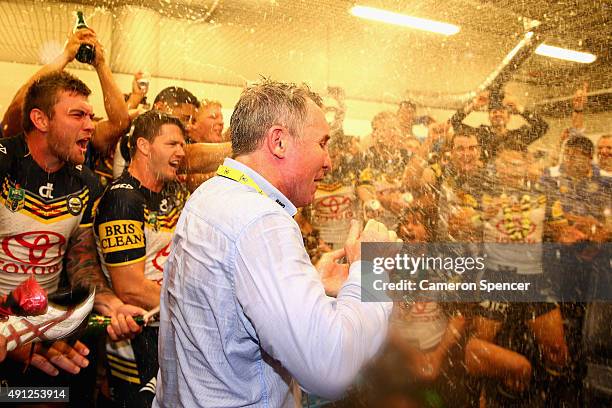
143, 146
276, 141
39, 119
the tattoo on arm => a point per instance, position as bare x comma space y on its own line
82, 265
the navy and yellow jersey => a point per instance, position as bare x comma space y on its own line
135, 224
518, 215
589, 196
456, 193
39, 212
491, 143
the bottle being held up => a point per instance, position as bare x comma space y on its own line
87, 52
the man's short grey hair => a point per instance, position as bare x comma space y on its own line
266, 104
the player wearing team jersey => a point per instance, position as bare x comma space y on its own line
46, 203
107, 131
134, 225
516, 347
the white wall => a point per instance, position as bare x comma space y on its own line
15, 74
359, 112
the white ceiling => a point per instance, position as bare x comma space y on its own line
319, 42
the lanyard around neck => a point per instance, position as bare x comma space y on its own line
240, 177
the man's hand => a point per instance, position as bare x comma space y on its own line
136, 89
425, 366
85, 35
587, 224
570, 235
439, 131
332, 273
374, 231
100, 58
123, 326
54, 357
481, 100
395, 201
519, 375
513, 106
461, 225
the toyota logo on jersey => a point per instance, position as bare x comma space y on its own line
36, 252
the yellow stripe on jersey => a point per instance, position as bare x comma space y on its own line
46, 213
126, 262
166, 222
125, 377
123, 369
121, 360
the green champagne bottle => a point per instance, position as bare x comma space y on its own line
86, 53
97, 321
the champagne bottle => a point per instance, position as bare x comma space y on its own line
97, 321
86, 53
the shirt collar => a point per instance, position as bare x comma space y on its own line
264, 184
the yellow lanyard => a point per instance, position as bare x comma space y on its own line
237, 175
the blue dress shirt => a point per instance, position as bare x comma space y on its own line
243, 310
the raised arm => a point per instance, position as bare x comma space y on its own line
280, 290
481, 100
13, 116
138, 93
108, 131
204, 157
578, 103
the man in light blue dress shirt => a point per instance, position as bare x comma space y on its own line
244, 313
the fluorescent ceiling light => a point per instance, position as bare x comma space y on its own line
565, 54
385, 16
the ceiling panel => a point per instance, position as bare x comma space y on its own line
319, 42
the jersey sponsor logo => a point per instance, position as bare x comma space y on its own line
75, 204
34, 252
15, 199
153, 221
46, 191
334, 207
18, 199
121, 235
163, 206
122, 185
161, 256
157, 221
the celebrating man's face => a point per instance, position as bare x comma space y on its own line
71, 127
307, 158
465, 153
604, 153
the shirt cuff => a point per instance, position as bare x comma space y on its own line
367, 292
354, 275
